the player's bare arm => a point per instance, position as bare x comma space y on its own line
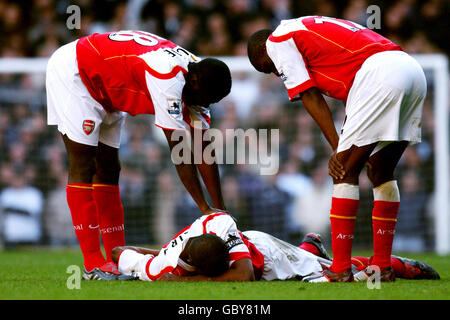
211, 177
318, 108
189, 177
241, 270
118, 250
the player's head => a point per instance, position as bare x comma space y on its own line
207, 82
209, 254
257, 53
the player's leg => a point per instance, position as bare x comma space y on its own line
106, 184
380, 170
412, 269
312, 242
107, 198
81, 202
344, 207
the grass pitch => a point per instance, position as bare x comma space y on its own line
41, 274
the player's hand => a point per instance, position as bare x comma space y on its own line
335, 168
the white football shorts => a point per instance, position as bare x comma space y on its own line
71, 107
385, 102
283, 260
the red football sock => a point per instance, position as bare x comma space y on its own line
384, 218
310, 248
110, 213
399, 268
343, 217
85, 222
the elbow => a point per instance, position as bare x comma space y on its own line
115, 253
251, 277
247, 276
310, 93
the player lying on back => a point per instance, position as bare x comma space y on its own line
213, 249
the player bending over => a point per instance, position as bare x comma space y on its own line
213, 249
92, 85
383, 89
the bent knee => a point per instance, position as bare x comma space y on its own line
108, 172
378, 177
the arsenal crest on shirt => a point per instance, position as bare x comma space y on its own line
88, 126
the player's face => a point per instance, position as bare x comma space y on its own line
266, 66
194, 94
196, 97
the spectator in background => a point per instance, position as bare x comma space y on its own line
21, 208
234, 199
217, 41
163, 221
57, 222
409, 233
311, 208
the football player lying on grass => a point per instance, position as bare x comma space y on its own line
213, 249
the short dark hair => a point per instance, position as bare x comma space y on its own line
214, 78
209, 254
256, 46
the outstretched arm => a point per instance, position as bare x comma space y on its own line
318, 108
189, 177
210, 174
241, 270
118, 250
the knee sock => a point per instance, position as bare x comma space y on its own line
111, 219
384, 217
344, 207
85, 222
310, 248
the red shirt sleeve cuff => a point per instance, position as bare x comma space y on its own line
295, 91
235, 256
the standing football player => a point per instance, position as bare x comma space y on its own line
92, 84
383, 90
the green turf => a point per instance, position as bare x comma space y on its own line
41, 274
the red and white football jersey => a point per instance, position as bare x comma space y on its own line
219, 224
322, 52
139, 73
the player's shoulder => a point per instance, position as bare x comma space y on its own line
288, 27
217, 222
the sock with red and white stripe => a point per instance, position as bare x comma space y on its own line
384, 218
111, 219
344, 207
84, 217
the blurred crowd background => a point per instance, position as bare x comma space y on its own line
33, 164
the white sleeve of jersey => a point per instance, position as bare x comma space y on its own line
225, 227
170, 111
167, 259
290, 65
166, 98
